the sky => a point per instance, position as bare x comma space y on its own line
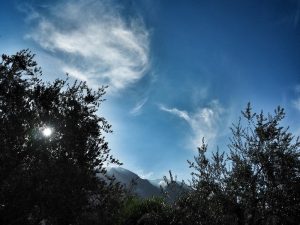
177, 71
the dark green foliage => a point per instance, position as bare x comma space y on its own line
152, 211
51, 179
265, 174
173, 189
258, 182
206, 203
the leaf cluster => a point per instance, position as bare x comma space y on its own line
257, 182
51, 180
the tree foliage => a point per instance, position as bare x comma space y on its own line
151, 211
51, 179
55, 179
257, 182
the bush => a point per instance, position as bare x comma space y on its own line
152, 211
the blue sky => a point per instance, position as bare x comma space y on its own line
177, 70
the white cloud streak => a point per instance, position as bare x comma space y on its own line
137, 109
180, 113
296, 103
145, 175
204, 122
96, 43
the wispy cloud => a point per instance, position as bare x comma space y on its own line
296, 103
297, 88
297, 14
204, 122
180, 113
145, 175
96, 43
137, 109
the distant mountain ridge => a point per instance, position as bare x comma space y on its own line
145, 188
141, 187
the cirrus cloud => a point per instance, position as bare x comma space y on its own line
296, 102
94, 41
203, 122
136, 110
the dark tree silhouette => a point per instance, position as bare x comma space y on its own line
52, 179
258, 182
151, 211
264, 181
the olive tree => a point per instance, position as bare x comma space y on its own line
52, 147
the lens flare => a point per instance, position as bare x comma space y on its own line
47, 132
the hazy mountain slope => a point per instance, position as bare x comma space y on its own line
139, 186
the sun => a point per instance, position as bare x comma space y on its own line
47, 131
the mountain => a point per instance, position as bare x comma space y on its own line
147, 188
141, 187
